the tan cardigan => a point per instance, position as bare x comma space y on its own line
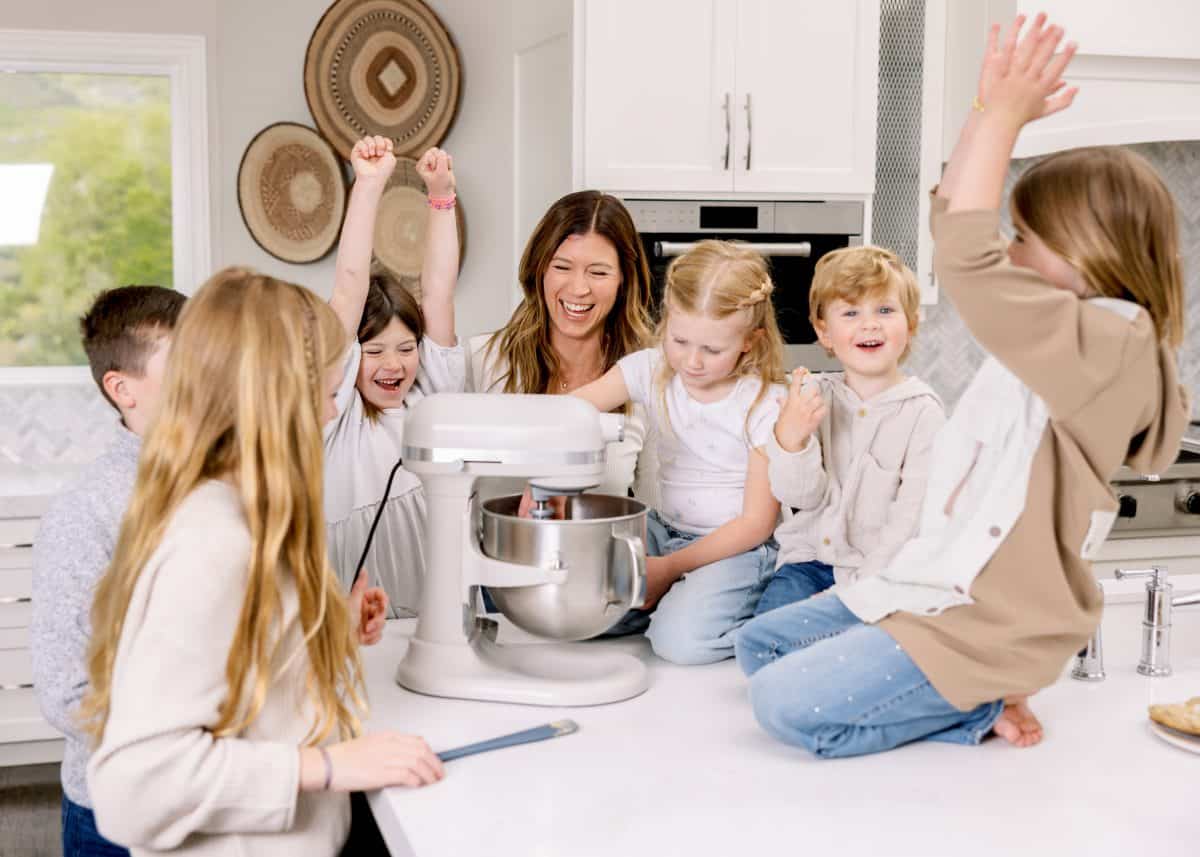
160, 780
1112, 393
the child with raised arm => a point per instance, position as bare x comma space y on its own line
850, 452
400, 352
1081, 314
711, 400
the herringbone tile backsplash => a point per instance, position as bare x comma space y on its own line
945, 356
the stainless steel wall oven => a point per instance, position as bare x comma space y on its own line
792, 236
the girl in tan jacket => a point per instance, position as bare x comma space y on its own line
225, 684
1080, 314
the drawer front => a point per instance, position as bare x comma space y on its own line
16, 558
17, 532
16, 614
14, 638
16, 670
16, 584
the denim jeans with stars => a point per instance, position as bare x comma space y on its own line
822, 679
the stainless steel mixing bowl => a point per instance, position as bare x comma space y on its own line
602, 544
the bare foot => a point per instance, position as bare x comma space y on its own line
1018, 725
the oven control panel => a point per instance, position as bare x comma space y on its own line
1145, 506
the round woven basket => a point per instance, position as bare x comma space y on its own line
292, 192
385, 67
400, 226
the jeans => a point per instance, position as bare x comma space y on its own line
822, 679
79, 835
694, 623
794, 582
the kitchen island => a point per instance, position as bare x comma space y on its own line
684, 770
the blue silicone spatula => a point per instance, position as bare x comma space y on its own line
537, 733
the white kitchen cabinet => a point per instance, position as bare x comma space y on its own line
1137, 69
721, 96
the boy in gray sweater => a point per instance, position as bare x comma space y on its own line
126, 334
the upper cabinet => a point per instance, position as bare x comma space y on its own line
721, 96
1137, 69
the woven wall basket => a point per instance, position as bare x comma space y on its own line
385, 67
292, 192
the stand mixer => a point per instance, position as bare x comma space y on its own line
452, 440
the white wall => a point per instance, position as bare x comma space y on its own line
256, 60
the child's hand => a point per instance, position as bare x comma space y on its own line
373, 158
368, 608
436, 169
800, 413
1022, 80
557, 503
659, 579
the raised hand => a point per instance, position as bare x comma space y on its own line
1022, 79
436, 169
801, 413
373, 159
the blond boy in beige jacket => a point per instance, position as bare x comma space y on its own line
850, 451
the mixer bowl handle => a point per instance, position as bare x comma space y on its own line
637, 571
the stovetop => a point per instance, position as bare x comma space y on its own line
1164, 504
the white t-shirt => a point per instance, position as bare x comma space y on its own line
704, 451
359, 455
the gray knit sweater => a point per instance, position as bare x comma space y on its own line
72, 550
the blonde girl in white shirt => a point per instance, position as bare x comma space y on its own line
710, 391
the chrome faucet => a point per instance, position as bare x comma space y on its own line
1089, 664
1156, 621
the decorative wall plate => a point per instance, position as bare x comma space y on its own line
292, 192
385, 67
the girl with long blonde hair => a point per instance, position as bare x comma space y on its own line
225, 686
711, 392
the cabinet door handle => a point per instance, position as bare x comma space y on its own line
21, 686
728, 123
749, 132
15, 599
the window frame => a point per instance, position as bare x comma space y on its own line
180, 58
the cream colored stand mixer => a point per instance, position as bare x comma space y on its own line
452, 440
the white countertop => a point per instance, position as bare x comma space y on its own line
685, 770
26, 492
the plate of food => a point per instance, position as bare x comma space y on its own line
1178, 724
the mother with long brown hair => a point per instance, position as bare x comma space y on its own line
586, 304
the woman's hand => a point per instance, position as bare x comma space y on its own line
373, 159
368, 610
436, 169
1022, 79
371, 762
800, 414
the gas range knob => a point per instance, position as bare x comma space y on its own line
1190, 503
1126, 506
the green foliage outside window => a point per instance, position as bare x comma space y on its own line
107, 218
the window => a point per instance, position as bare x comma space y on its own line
103, 181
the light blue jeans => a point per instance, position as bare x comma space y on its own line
694, 623
822, 679
794, 582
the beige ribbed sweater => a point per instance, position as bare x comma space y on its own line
159, 780
1113, 396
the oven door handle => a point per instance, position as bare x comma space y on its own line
666, 249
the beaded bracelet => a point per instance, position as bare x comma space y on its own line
328, 769
442, 203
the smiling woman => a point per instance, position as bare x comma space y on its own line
586, 303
